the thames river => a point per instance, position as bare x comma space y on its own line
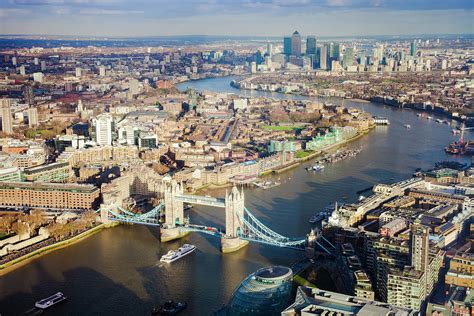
117, 271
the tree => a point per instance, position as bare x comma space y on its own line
89, 218
36, 219
56, 230
20, 228
6, 223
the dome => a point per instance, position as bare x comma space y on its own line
265, 292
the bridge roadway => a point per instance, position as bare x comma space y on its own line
201, 200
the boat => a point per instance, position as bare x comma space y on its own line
429, 118
408, 126
50, 301
174, 255
419, 115
439, 120
318, 167
169, 308
456, 131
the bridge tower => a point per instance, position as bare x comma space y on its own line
234, 210
173, 207
173, 212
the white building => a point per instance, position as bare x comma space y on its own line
38, 77
103, 129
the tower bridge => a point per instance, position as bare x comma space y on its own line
241, 226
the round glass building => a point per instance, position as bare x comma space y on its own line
265, 292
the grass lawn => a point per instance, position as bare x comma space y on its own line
283, 128
302, 281
303, 153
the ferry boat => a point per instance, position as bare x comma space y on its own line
50, 301
174, 255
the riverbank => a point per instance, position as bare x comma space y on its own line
23, 260
293, 165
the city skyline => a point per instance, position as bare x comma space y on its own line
122, 18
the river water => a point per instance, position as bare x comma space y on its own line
117, 271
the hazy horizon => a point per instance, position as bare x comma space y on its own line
325, 18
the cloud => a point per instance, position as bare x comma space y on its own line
109, 12
38, 2
8, 12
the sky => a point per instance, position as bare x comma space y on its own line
135, 18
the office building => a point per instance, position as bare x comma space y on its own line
78, 72
14, 61
36, 61
334, 51
270, 50
314, 301
296, 44
43, 65
103, 129
6, 114
323, 57
287, 45
310, 45
413, 48
265, 292
22, 70
348, 58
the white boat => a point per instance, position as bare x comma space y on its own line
50, 301
407, 126
174, 255
318, 167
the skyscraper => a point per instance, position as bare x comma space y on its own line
287, 45
6, 114
348, 59
28, 95
310, 45
413, 48
334, 51
269, 49
103, 129
419, 246
323, 57
296, 44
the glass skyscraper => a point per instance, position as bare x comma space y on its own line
287, 45
310, 45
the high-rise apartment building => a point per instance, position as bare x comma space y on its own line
296, 44
32, 113
103, 129
78, 72
6, 114
310, 45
